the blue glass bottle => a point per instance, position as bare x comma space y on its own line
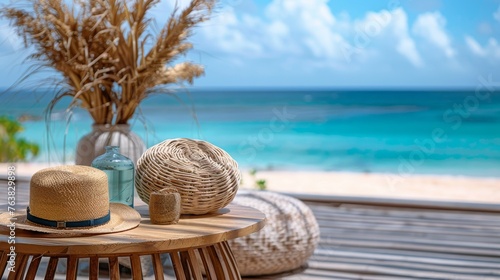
120, 171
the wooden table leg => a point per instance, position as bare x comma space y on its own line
219, 268
94, 268
194, 265
222, 259
35, 262
207, 264
230, 259
184, 263
72, 268
3, 262
157, 266
51, 268
135, 262
217, 260
20, 267
114, 268
224, 256
177, 264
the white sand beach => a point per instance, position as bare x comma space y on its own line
427, 187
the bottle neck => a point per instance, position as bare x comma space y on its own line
112, 149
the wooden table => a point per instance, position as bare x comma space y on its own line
197, 245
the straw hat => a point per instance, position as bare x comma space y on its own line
72, 200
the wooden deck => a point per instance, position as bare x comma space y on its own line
377, 239
384, 240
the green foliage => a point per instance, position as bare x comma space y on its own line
260, 184
13, 148
253, 172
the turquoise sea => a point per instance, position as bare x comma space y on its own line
396, 131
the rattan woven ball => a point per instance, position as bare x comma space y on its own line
206, 177
286, 242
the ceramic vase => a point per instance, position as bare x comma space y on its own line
94, 143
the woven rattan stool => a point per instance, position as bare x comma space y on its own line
285, 243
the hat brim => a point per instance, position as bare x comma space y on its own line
122, 218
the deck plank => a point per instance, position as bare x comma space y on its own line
393, 242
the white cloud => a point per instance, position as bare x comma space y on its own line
225, 31
405, 44
379, 32
431, 27
279, 29
278, 32
307, 31
474, 46
312, 26
288, 29
496, 15
490, 51
407, 48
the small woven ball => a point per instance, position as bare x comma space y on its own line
206, 177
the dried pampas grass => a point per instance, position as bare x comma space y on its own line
99, 47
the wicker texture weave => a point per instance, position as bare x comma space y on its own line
69, 193
205, 176
285, 243
165, 206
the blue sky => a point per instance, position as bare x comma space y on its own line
336, 43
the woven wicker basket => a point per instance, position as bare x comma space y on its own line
205, 176
286, 242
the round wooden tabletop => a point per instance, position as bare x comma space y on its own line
192, 231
